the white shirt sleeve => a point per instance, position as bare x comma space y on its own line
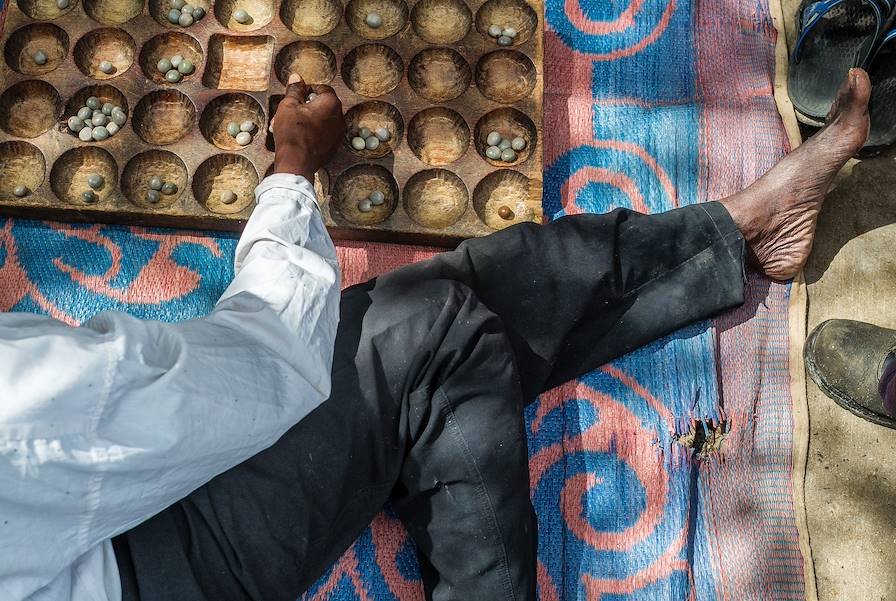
104, 425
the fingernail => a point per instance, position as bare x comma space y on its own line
853, 77
294, 78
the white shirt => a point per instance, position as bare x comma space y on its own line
104, 425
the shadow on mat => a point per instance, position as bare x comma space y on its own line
863, 201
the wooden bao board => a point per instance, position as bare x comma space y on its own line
430, 74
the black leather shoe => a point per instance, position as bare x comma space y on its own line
846, 359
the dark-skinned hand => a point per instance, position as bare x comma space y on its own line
306, 134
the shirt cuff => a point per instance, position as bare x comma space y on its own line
287, 181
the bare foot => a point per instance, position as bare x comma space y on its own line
778, 213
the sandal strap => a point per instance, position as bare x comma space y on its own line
811, 15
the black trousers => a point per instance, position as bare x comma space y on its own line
434, 364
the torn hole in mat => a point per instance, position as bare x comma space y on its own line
705, 438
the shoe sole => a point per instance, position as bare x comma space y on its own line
840, 398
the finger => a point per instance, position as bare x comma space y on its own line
296, 88
325, 101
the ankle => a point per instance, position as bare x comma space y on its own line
745, 217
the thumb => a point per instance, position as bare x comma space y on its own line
296, 88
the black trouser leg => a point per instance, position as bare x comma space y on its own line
426, 408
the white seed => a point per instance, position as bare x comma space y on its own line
178, 4
153, 196
228, 197
164, 65
93, 103
173, 16
98, 120
84, 113
493, 152
383, 134
173, 76
509, 32
185, 19
494, 30
504, 144
243, 138
358, 143
505, 41
20, 191
169, 188
493, 138
62, 4
364, 132
106, 67
119, 118
186, 67
372, 143
155, 183
377, 198
233, 128
175, 60
508, 155
311, 96
95, 181
364, 205
247, 126
112, 128
108, 108
187, 8
374, 20
89, 196
75, 124
86, 134
518, 143
100, 133
241, 16
39, 57
198, 13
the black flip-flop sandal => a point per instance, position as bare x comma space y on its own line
846, 359
882, 108
834, 36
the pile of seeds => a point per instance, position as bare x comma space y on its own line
97, 120
241, 132
364, 138
184, 14
503, 35
175, 68
157, 187
503, 149
95, 181
374, 199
